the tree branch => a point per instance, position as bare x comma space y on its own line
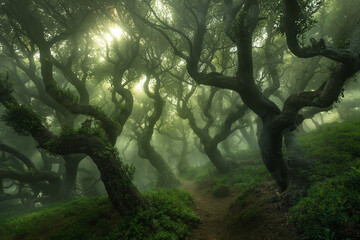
292, 11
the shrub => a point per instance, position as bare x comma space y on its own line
221, 191
334, 148
240, 180
169, 216
331, 206
70, 220
245, 178
200, 173
248, 214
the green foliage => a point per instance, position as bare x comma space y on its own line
68, 134
21, 118
331, 209
6, 87
333, 148
305, 20
249, 175
76, 219
199, 173
245, 178
249, 214
170, 215
327, 235
63, 95
221, 190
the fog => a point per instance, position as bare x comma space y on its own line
124, 97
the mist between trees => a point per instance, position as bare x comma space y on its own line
95, 93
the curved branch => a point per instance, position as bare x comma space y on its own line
29, 176
168, 27
35, 30
218, 80
292, 11
226, 130
6, 148
323, 97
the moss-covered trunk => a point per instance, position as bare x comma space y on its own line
117, 179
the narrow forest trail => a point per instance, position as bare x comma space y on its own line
212, 212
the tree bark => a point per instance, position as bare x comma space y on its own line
115, 175
270, 143
250, 137
166, 177
117, 180
71, 170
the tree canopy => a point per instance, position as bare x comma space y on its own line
83, 78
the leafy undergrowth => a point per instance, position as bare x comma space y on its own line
254, 212
238, 181
170, 215
331, 208
333, 148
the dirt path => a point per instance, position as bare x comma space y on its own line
212, 212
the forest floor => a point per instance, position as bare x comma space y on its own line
255, 217
212, 212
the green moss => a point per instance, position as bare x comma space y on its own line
63, 95
69, 134
71, 220
169, 215
21, 118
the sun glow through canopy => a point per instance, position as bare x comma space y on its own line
115, 33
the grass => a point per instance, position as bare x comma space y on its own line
170, 215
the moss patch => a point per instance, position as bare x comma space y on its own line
170, 215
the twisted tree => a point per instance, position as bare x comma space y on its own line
241, 22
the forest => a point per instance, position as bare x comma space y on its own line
179, 119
